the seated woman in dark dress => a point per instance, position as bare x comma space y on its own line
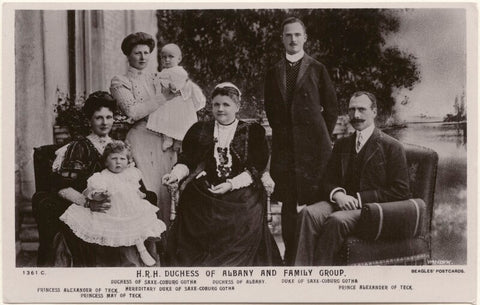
222, 210
75, 163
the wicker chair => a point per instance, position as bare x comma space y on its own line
422, 163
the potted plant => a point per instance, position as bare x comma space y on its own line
70, 121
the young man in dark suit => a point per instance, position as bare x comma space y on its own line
301, 107
368, 166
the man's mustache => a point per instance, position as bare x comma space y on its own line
357, 121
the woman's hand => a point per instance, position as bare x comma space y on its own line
102, 205
168, 94
99, 196
169, 180
99, 207
268, 183
221, 188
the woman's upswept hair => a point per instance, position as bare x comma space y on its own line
135, 39
98, 100
117, 146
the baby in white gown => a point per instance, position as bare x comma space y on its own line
130, 220
178, 114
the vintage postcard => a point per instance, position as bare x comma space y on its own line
239, 152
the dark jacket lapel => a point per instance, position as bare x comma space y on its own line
306, 60
371, 147
281, 76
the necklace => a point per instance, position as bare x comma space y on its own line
223, 135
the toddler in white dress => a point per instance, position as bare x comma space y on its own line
178, 114
130, 220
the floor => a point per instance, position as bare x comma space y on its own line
29, 258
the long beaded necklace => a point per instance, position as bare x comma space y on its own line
221, 152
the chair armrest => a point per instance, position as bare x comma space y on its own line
392, 220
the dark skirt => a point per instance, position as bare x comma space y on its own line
71, 251
222, 230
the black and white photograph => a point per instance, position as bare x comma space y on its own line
208, 152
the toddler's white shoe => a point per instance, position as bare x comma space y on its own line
147, 259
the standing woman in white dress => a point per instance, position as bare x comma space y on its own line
137, 97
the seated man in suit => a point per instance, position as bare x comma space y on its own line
368, 166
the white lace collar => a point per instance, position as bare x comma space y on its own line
99, 142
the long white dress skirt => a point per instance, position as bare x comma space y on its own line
153, 162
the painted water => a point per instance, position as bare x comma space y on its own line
449, 224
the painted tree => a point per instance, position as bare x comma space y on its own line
239, 45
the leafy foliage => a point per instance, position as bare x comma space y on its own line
69, 114
240, 45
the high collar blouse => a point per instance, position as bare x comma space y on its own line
142, 84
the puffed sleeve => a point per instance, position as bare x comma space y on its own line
75, 168
178, 77
195, 146
97, 182
258, 153
59, 157
121, 89
135, 175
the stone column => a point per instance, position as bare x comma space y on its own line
40, 68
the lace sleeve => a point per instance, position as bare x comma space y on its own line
136, 110
241, 180
59, 157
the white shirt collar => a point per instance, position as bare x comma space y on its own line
295, 57
366, 133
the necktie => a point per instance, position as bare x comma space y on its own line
359, 142
293, 63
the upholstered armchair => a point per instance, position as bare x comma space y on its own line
44, 210
411, 244
46, 206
